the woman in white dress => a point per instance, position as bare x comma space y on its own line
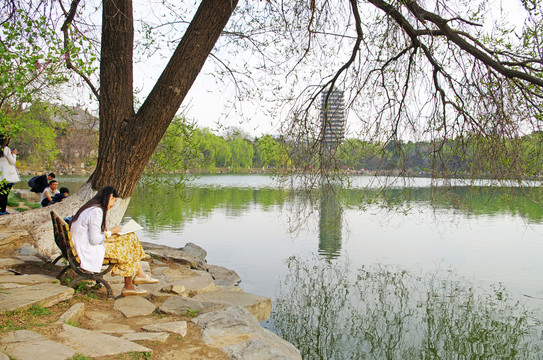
8, 172
93, 242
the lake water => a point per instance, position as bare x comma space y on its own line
417, 271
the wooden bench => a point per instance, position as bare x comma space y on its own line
64, 242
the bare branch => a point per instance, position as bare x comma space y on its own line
65, 26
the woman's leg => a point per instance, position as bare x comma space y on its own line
128, 284
141, 273
4, 192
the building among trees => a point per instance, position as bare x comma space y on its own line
332, 118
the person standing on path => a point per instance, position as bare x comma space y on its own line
8, 172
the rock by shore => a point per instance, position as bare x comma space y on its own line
196, 311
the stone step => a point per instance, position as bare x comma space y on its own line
46, 294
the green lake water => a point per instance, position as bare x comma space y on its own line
418, 271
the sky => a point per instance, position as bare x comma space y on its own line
207, 102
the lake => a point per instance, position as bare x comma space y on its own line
417, 271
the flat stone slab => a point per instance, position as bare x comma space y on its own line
47, 295
147, 336
28, 279
10, 262
176, 327
134, 306
259, 306
94, 344
172, 275
178, 305
27, 195
11, 286
29, 345
114, 328
72, 314
30, 258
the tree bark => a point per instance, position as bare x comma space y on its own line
128, 139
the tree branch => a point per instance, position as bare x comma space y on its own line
65, 26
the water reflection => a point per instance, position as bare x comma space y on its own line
330, 223
382, 312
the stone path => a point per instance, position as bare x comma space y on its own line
225, 319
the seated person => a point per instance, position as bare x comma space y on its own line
63, 194
49, 192
93, 243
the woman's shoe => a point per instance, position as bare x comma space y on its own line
135, 291
144, 280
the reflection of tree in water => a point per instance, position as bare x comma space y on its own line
330, 223
384, 313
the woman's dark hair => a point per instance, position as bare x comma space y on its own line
4, 141
101, 199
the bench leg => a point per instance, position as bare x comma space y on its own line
107, 286
57, 259
63, 271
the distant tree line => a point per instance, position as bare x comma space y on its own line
61, 137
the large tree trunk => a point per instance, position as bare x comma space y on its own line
128, 139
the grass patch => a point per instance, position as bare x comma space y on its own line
24, 319
192, 313
38, 310
84, 290
15, 201
80, 357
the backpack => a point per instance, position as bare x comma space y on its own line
36, 185
32, 182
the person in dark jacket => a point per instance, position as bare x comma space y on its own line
42, 182
63, 194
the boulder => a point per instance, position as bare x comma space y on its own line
191, 286
239, 334
259, 306
223, 276
191, 255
